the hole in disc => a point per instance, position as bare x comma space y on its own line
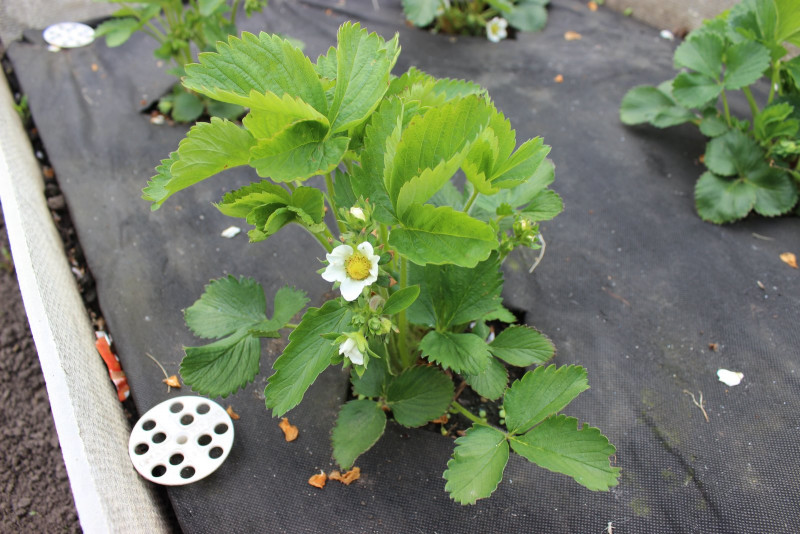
203, 409
221, 428
175, 408
181, 440
149, 425
204, 440
158, 471
159, 437
215, 453
187, 419
141, 448
175, 459
187, 472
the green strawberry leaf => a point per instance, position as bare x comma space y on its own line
305, 357
400, 300
702, 53
442, 235
654, 105
118, 30
222, 367
463, 353
420, 12
720, 200
528, 15
745, 63
418, 395
542, 393
359, 426
374, 380
695, 90
544, 206
477, 465
491, 382
266, 63
559, 445
522, 346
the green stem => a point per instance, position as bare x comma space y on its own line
471, 200
291, 325
406, 358
332, 202
323, 239
160, 37
752, 101
455, 406
776, 75
727, 109
233, 12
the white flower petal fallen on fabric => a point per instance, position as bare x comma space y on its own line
729, 378
231, 231
668, 35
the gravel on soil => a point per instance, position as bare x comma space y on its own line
35, 494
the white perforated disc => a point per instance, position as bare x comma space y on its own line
68, 34
181, 440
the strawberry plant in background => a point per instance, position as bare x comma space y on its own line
415, 257
179, 26
752, 162
478, 17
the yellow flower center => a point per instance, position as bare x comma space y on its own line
357, 266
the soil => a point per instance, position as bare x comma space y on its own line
36, 495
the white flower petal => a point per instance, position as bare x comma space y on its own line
351, 289
334, 273
730, 378
366, 249
340, 254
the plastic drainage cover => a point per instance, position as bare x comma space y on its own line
181, 440
68, 34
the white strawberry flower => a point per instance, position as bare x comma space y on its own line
349, 349
354, 269
496, 29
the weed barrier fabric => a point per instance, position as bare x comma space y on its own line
633, 285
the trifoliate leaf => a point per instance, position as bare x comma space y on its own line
712, 124
266, 63
654, 105
364, 61
559, 445
442, 134
477, 465
453, 296
241, 202
544, 206
208, 148
702, 53
522, 346
271, 114
297, 153
773, 121
222, 367
695, 90
776, 192
359, 426
156, 190
463, 353
442, 235
542, 393
420, 12
491, 382
418, 395
400, 300
720, 200
207, 7
528, 15
485, 207
744, 64
305, 357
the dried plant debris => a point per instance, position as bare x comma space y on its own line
318, 480
172, 381
290, 431
347, 478
572, 36
235, 416
789, 259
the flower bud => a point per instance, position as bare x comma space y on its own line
358, 213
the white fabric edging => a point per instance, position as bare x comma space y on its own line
92, 429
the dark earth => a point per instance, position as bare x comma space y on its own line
36, 495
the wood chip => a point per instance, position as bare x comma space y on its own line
318, 480
347, 478
572, 36
95, 68
789, 259
713, 346
172, 381
290, 431
234, 415
592, 6
559, 78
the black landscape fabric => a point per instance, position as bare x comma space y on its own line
633, 286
